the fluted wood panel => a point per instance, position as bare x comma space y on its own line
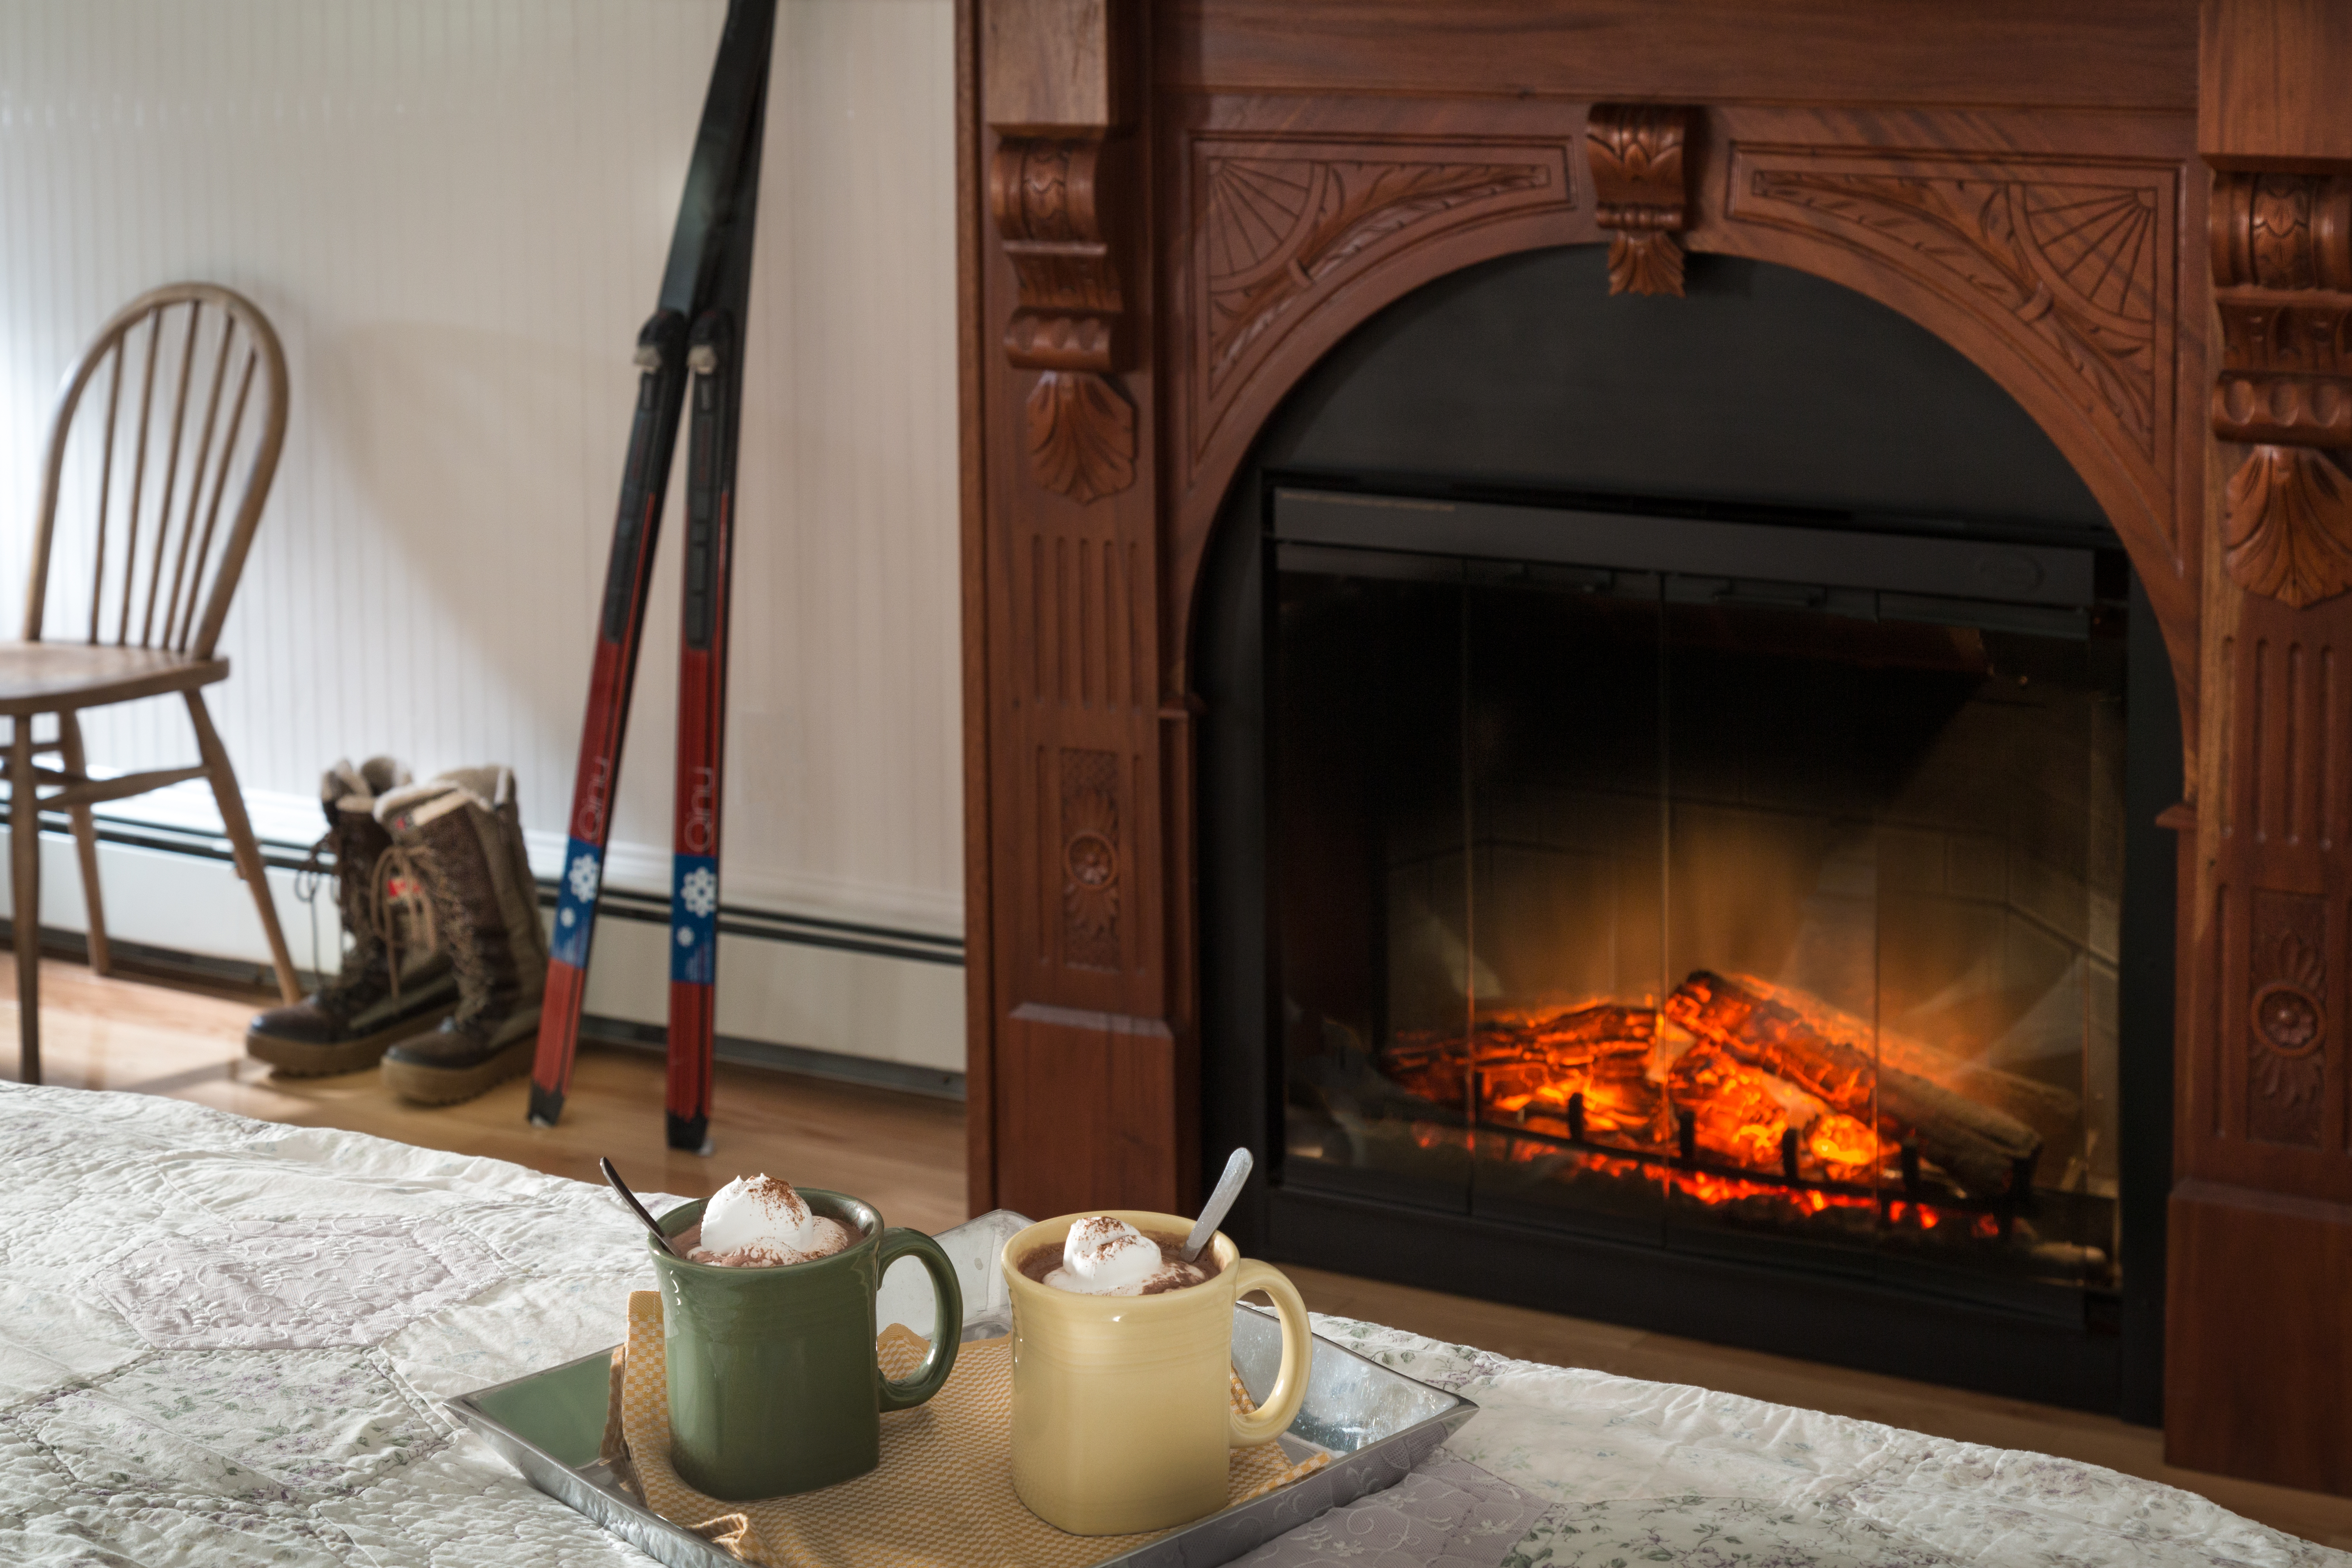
456, 212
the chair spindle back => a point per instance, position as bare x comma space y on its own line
173, 501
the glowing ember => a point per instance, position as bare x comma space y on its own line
1846, 1149
1738, 1117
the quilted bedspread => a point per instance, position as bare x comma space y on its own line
223, 1341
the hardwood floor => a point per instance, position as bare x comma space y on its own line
904, 1154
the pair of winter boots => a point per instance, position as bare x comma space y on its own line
446, 960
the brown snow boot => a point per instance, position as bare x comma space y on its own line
345, 1024
461, 835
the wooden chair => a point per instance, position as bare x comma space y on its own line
173, 506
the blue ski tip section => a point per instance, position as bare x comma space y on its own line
694, 919
575, 903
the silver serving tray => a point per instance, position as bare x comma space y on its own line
1375, 1424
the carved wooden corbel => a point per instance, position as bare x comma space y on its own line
2283, 282
1056, 90
1641, 184
1047, 196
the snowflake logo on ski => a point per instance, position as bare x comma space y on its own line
583, 876
699, 891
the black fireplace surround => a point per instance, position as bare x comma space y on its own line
1678, 843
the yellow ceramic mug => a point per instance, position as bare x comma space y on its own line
1122, 1414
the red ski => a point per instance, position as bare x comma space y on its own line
707, 282
702, 729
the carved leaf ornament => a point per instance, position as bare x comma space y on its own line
1642, 192
2289, 529
1081, 436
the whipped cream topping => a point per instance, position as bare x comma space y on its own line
1107, 1257
761, 1222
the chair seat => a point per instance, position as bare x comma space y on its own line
49, 678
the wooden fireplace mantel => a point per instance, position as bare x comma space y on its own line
2135, 216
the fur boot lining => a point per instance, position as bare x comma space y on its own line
349, 788
485, 788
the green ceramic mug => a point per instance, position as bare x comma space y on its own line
772, 1382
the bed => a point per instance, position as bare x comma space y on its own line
226, 1342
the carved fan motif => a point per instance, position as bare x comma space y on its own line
1255, 206
1277, 227
2073, 264
2099, 241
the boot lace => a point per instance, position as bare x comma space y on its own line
323, 864
312, 873
424, 926
308, 877
414, 928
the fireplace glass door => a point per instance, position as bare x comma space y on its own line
1704, 884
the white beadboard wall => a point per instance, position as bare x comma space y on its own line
456, 212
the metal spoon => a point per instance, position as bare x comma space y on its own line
1220, 1204
613, 1179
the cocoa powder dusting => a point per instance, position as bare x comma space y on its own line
1043, 1260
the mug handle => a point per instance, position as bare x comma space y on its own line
946, 1334
1281, 1407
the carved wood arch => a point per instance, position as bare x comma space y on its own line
1989, 307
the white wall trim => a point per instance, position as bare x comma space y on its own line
811, 991
295, 821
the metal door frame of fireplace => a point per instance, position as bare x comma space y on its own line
2108, 1357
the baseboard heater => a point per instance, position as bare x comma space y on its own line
764, 925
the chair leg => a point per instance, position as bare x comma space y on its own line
240, 838
85, 832
24, 915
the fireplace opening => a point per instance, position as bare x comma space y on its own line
1647, 901
1699, 905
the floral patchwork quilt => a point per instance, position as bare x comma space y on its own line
226, 1342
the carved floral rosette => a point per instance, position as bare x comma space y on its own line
1091, 859
2287, 1066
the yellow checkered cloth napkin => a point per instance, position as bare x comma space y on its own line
941, 1497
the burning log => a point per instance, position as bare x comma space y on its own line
1574, 1037
1510, 1046
1529, 1062
1734, 1112
1745, 1114
1618, 1095
1988, 1151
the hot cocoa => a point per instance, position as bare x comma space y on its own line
1107, 1257
760, 1222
